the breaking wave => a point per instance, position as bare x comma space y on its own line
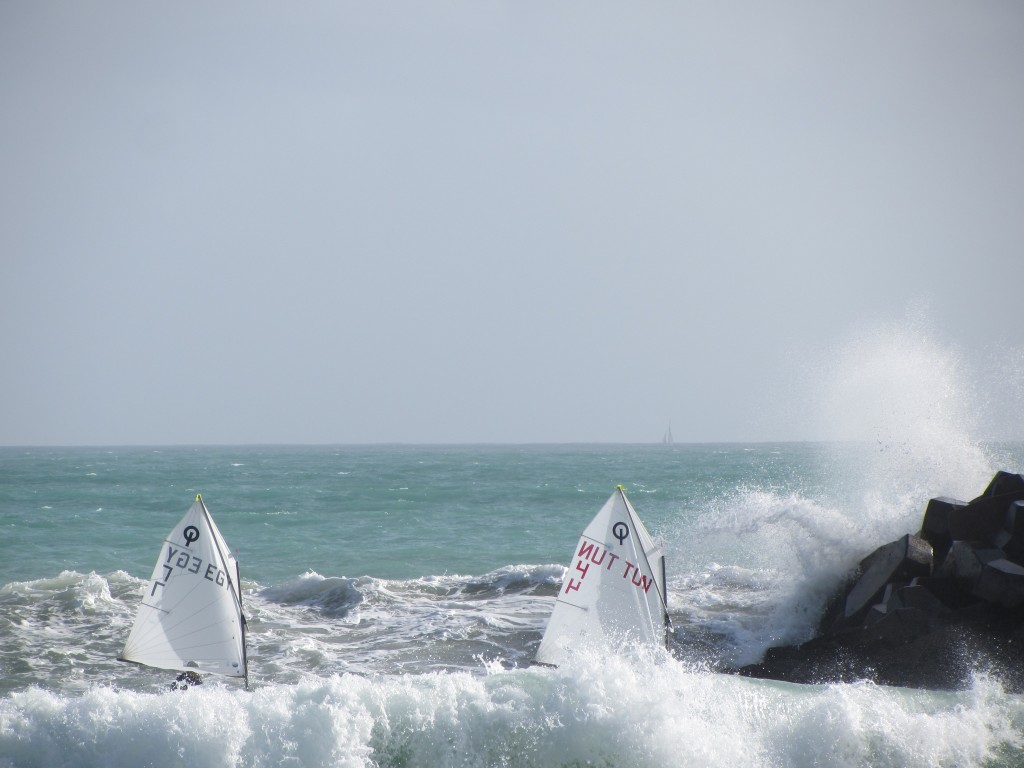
600, 711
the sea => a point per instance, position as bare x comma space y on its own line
396, 594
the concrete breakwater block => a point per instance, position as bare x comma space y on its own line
1001, 582
982, 519
1011, 538
935, 526
1003, 483
914, 595
900, 561
965, 562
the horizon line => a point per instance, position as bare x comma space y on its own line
468, 444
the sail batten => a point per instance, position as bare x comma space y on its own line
191, 616
616, 583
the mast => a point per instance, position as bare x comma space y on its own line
245, 627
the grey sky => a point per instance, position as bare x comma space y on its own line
501, 222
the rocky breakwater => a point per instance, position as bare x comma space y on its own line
930, 609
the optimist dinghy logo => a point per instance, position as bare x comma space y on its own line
191, 533
620, 531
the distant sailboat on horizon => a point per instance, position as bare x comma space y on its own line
667, 437
190, 618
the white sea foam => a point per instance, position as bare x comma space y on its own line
608, 711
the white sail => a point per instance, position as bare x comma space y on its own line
191, 614
614, 590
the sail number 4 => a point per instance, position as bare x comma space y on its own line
592, 554
189, 563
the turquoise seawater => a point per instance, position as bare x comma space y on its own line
389, 512
396, 594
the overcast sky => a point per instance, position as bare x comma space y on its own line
529, 221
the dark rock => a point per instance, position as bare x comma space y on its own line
944, 658
935, 527
900, 561
1005, 483
950, 594
964, 563
1011, 538
1001, 582
896, 626
982, 519
914, 595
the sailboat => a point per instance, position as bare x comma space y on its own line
614, 590
191, 616
667, 437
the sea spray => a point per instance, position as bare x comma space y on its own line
914, 405
760, 569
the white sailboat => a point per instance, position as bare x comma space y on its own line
614, 590
667, 437
191, 616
